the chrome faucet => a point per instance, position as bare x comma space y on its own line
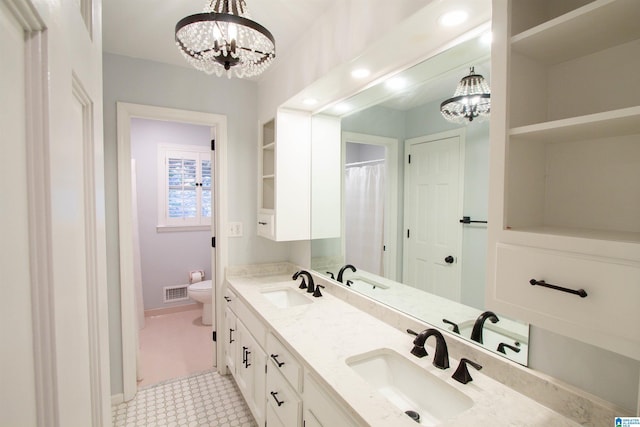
441, 358
311, 286
476, 333
341, 272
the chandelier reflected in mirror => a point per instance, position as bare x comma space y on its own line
223, 39
471, 100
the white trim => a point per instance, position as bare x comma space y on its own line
125, 112
181, 228
38, 196
460, 133
390, 259
117, 399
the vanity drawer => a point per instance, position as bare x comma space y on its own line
284, 362
607, 312
282, 399
266, 225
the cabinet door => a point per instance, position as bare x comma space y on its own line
320, 410
230, 336
250, 370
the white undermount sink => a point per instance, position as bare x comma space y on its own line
286, 297
410, 387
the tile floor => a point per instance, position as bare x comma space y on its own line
205, 399
174, 345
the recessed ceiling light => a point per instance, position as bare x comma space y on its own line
360, 73
453, 18
310, 101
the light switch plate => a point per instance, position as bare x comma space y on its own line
235, 229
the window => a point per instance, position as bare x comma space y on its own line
184, 193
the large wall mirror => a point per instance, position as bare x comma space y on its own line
400, 235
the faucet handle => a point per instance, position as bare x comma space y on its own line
462, 373
331, 275
317, 293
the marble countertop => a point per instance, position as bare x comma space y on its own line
328, 331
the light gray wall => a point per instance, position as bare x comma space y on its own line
151, 83
165, 257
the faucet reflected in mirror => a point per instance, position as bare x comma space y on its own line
397, 255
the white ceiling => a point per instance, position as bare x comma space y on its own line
145, 28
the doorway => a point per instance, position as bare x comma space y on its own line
126, 113
373, 162
433, 205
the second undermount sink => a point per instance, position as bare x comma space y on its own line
286, 297
412, 389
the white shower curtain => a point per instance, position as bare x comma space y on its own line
364, 217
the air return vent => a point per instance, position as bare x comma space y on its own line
175, 293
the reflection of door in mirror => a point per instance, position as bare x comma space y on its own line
370, 203
433, 205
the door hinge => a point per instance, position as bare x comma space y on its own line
214, 336
265, 369
384, 248
409, 158
213, 242
213, 145
408, 233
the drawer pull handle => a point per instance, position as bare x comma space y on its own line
580, 292
279, 402
262, 223
275, 359
231, 331
227, 298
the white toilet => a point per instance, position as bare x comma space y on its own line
201, 292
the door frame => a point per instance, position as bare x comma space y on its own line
461, 134
125, 112
390, 256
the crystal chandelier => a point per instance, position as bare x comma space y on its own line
223, 39
472, 100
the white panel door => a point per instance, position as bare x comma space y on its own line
54, 143
16, 358
432, 209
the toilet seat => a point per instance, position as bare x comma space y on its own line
203, 286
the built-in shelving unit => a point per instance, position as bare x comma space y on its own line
565, 166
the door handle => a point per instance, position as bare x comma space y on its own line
449, 259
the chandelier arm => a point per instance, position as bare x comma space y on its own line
460, 97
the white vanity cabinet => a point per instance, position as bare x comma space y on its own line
320, 410
284, 177
284, 383
244, 355
565, 168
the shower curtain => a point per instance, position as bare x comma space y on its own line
364, 217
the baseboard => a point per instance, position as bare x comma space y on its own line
117, 399
174, 309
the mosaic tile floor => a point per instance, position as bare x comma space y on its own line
205, 399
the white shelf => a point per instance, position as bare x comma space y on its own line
268, 176
621, 122
269, 146
585, 233
594, 27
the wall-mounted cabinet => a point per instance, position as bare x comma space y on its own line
565, 166
284, 177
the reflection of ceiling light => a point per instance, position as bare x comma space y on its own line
396, 83
486, 38
224, 39
453, 18
471, 100
310, 101
342, 107
360, 73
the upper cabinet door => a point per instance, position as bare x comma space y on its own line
284, 177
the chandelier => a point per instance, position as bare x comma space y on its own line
223, 39
471, 100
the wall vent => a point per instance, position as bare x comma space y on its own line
175, 293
